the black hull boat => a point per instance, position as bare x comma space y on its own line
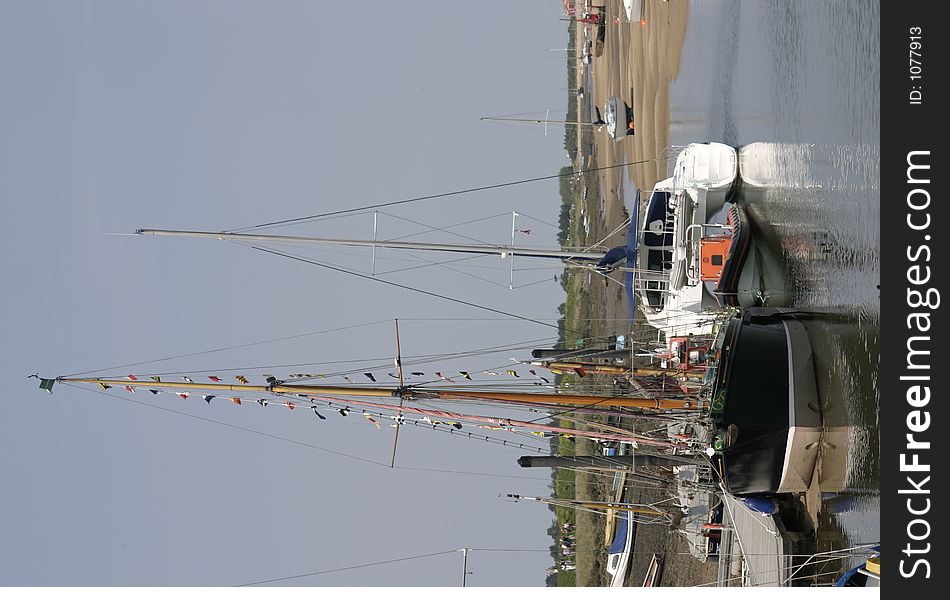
765, 404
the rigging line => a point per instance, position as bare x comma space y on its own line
280, 339
538, 220
442, 229
415, 359
292, 441
406, 287
508, 550
222, 423
362, 566
445, 266
441, 195
426, 265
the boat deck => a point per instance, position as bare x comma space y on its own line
753, 551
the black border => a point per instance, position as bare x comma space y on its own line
906, 127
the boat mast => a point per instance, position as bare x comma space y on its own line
503, 251
407, 393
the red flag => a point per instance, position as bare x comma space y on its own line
290, 405
184, 395
580, 372
236, 400
132, 377
214, 378
130, 389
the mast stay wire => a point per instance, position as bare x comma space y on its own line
435, 196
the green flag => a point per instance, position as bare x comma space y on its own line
47, 384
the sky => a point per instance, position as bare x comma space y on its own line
220, 115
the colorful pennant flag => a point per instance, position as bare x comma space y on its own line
493, 373
372, 420
130, 389
102, 385
370, 376
512, 372
319, 416
186, 379
156, 379
241, 379
47, 384
525, 231
214, 378
580, 372
262, 402
290, 405
132, 377
344, 411
236, 400
183, 395
465, 375
155, 392
443, 377
207, 399
418, 373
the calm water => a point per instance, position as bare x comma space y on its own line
795, 86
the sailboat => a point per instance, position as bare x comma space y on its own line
698, 253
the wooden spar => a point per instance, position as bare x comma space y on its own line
568, 399
606, 369
406, 393
279, 388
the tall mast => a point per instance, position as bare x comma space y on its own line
541, 121
503, 251
407, 393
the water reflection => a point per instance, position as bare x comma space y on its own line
820, 204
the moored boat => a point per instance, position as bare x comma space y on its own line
765, 404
